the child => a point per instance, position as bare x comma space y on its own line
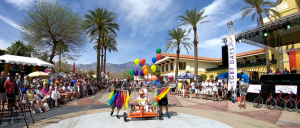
75, 90
143, 101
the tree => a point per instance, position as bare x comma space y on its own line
221, 72
90, 73
2, 52
203, 77
93, 25
20, 49
258, 7
178, 36
48, 24
62, 66
193, 18
110, 45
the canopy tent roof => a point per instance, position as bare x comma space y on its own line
187, 75
225, 75
12, 59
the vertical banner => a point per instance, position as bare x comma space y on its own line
232, 67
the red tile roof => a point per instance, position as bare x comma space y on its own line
253, 52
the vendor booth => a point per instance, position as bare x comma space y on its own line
27, 63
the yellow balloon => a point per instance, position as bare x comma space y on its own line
146, 71
145, 67
153, 68
137, 61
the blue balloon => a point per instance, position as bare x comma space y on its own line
153, 60
141, 64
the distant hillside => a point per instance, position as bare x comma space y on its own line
113, 68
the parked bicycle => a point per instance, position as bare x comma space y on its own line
271, 102
258, 102
291, 103
280, 101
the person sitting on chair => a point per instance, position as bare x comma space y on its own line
143, 101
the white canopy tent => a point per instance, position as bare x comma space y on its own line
21, 60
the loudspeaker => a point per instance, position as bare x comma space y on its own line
225, 56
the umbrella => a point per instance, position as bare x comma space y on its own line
39, 74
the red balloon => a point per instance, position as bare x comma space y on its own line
158, 57
143, 61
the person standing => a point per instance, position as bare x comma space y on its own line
243, 88
204, 85
164, 100
197, 89
11, 88
2, 89
193, 89
286, 71
127, 85
117, 87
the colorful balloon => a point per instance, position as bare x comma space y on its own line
141, 64
136, 72
136, 61
145, 67
158, 50
131, 72
142, 73
153, 68
143, 61
153, 60
158, 57
146, 71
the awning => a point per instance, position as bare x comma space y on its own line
225, 75
21, 60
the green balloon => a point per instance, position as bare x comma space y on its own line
158, 50
131, 72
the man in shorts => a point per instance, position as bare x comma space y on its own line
179, 89
127, 85
197, 89
163, 101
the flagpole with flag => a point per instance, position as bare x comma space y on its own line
74, 70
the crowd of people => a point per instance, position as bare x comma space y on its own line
44, 94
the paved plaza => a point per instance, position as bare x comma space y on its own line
92, 112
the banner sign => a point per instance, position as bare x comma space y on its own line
286, 89
254, 88
232, 62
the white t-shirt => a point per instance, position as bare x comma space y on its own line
144, 103
39, 92
193, 87
204, 84
70, 88
173, 85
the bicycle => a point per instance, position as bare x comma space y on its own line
291, 103
259, 101
298, 103
271, 102
280, 101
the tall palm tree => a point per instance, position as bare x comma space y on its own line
93, 25
258, 7
109, 45
20, 49
178, 36
193, 18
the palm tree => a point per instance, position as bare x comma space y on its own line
110, 45
178, 36
258, 7
93, 25
193, 18
20, 49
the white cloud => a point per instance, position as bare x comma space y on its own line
133, 32
21, 4
11, 23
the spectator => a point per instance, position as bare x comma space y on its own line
271, 72
277, 71
197, 89
75, 91
36, 81
2, 89
72, 93
30, 96
11, 88
294, 71
173, 86
193, 89
46, 94
40, 97
26, 80
63, 93
285, 71
66, 89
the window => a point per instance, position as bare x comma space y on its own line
167, 67
172, 66
182, 65
162, 68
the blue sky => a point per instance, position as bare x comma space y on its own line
143, 25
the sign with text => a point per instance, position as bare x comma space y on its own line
254, 88
286, 89
232, 77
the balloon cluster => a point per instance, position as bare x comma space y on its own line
145, 70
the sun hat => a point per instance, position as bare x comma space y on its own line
141, 91
39, 86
